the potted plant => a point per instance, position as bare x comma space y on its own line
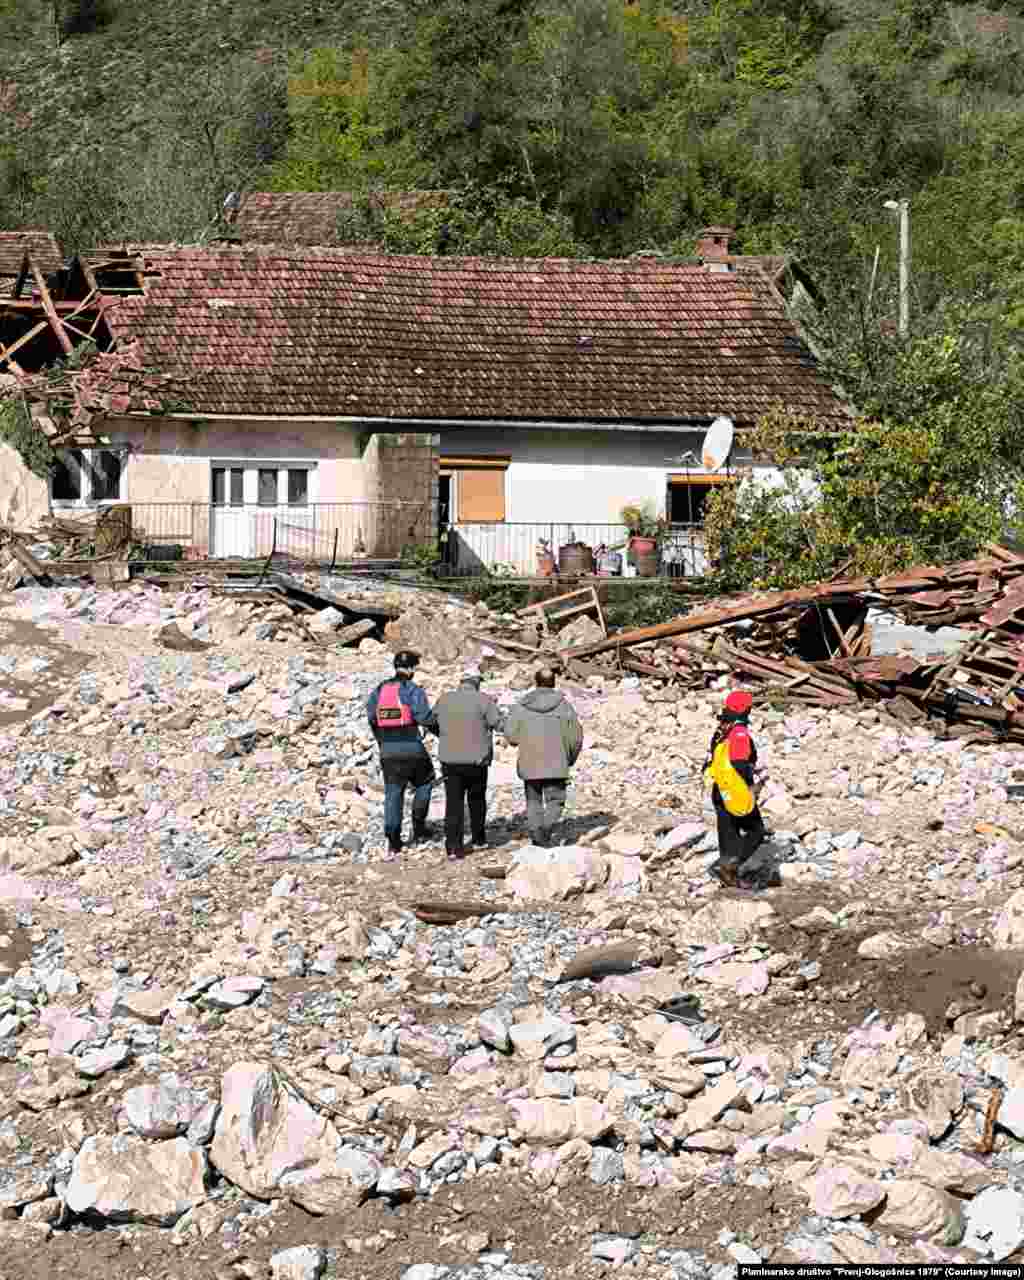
646, 528
545, 558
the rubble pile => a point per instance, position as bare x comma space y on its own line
973, 675
239, 1039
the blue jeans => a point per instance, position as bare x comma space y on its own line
416, 772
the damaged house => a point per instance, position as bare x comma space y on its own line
357, 401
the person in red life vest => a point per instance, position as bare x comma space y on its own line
397, 710
738, 837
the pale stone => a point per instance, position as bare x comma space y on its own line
272, 1144
125, 1179
552, 1123
881, 946
25, 1189
869, 1068
840, 1191
677, 1039
624, 873
148, 1006
995, 1223
726, 920
304, 1262
1018, 1000
1011, 1112
553, 875
705, 1110
935, 1098
1009, 927
755, 982
711, 1142
159, 1110
915, 1209
807, 1142
98, 1062
630, 844
535, 1040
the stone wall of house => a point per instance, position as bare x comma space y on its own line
400, 468
24, 497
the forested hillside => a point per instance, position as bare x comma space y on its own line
578, 127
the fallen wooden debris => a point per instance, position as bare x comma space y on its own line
450, 912
988, 1138
874, 644
559, 609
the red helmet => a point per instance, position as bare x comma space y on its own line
739, 703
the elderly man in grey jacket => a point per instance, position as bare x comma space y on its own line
467, 719
547, 732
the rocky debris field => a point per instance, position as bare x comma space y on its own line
232, 1046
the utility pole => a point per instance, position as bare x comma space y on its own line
902, 207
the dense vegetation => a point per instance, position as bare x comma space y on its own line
603, 128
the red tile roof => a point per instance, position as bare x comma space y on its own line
41, 244
311, 217
324, 332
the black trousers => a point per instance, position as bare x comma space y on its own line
464, 782
738, 838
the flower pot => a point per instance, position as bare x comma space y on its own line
642, 546
545, 566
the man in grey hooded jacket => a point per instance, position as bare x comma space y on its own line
547, 732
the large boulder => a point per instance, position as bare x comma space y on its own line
726, 920
273, 1144
552, 1123
839, 1191
914, 1210
125, 1179
553, 875
162, 1110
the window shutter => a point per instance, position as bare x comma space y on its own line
481, 495
480, 487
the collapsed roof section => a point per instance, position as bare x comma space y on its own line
59, 352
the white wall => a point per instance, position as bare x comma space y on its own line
577, 481
584, 476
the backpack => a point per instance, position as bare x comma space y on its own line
392, 713
736, 794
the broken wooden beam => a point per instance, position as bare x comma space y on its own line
29, 563
51, 312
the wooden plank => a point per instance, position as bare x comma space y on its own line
110, 571
702, 620
843, 645
28, 562
34, 332
51, 312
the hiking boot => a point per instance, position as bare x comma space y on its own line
725, 873
455, 855
395, 844
478, 842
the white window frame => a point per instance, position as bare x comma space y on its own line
251, 467
86, 501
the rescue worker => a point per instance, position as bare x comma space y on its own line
547, 732
738, 837
397, 710
466, 721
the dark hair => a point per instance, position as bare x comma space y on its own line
544, 678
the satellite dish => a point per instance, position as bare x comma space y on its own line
717, 443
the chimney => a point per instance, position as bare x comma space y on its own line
713, 243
